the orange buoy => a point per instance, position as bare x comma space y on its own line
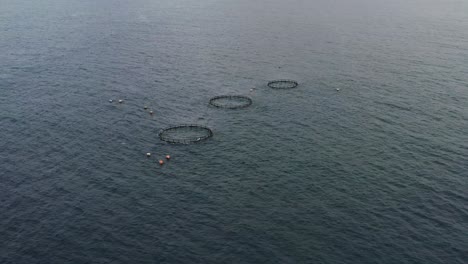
168, 157
161, 162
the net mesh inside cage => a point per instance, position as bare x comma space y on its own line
185, 134
283, 84
231, 101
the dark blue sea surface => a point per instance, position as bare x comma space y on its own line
374, 173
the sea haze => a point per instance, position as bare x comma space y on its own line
376, 172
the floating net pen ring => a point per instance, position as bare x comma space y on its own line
283, 84
185, 134
231, 101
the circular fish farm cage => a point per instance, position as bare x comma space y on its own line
231, 101
283, 84
185, 134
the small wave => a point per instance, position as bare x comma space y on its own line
395, 106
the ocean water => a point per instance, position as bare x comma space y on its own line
374, 173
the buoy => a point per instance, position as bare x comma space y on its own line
146, 107
151, 112
120, 101
148, 154
338, 89
110, 101
161, 162
168, 157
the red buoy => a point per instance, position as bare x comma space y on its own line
161, 162
168, 157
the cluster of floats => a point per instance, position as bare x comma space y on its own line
194, 133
